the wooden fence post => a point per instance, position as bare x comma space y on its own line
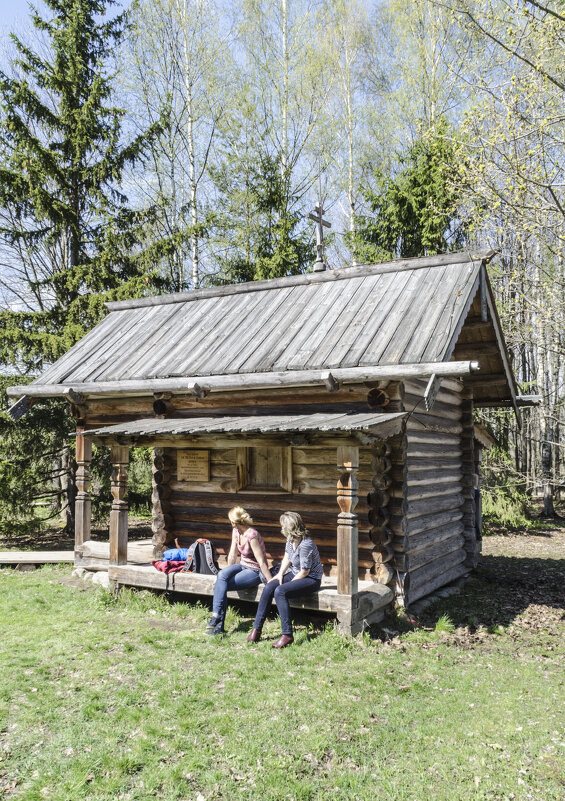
82, 502
119, 510
347, 532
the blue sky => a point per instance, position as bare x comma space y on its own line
12, 12
14, 18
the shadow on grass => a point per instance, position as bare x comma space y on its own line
500, 590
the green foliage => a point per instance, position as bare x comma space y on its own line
36, 451
414, 213
65, 219
505, 506
139, 481
444, 624
504, 501
260, 234
31, 450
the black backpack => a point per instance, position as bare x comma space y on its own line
201, 558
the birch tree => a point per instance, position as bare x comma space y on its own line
515, 133
179, 58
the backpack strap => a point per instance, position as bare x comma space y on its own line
189, 564
209, 555
189, 558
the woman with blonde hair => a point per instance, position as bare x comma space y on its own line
247, 561
302, 561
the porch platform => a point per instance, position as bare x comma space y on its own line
35, 557
354, 612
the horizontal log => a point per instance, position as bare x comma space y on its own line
438, 410
430, 493
432, 522
326, 457
326, 473
217, 486
425, 588
266, 527
433, 475
438, 568
422, 457
410, 562
416, 509
257, 503
315, 487
451, 386
430, 437
419, 422
216, 383
383, 573
382, 555
445, 401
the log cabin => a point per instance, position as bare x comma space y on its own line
346, 395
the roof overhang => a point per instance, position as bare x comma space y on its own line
363, 428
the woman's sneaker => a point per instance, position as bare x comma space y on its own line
212, 623
217, 629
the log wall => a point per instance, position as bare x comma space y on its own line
202, 509
416, 506
111, 411
429, 509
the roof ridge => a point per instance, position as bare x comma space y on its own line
304, 279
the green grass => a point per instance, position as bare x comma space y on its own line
126, 698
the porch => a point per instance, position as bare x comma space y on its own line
354, 612
202, 460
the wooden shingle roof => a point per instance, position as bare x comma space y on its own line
399, 313
264, 424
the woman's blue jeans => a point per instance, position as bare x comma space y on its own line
282, 592
233, 577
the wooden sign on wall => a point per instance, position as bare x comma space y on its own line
193, 465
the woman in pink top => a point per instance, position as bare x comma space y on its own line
247, 560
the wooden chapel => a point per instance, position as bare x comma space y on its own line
346, 395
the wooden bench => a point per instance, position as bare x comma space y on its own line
354, 612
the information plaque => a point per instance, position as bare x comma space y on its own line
193, 465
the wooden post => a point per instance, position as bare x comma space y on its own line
161, 523
82, 502
347, 532
119, 510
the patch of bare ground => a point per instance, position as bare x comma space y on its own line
518, 588
57, 539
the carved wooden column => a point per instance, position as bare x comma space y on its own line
82, 502
119, 510
347, 532
379, 514
161, 522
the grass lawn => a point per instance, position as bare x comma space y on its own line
126, 698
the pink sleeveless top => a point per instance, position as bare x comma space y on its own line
243, 544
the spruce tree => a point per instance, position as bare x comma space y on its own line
257, 235
66, 231
415, 213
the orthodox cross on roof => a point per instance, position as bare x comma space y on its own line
318, 217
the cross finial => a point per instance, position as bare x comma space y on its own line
318, 217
